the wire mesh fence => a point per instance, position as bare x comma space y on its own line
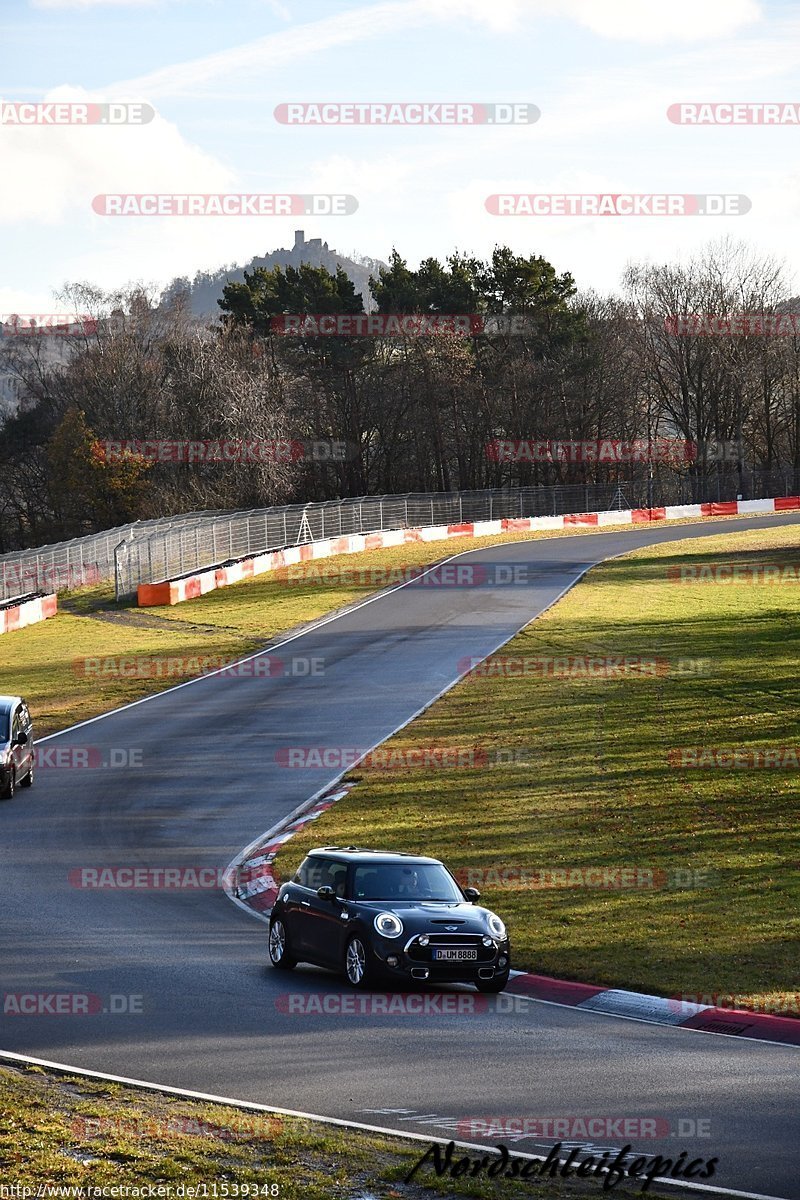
77, 562
151, 551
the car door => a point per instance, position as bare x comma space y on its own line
26, 727
323, 919
295, 906
18, 751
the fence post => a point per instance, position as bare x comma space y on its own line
118, 593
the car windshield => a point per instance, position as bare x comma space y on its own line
4, 722
404, 881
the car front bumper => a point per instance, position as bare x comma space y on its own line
421, 966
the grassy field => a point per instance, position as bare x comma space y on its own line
709, 904
66, 1130
44, 662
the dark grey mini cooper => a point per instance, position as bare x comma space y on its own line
379, 915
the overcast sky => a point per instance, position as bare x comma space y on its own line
602, 72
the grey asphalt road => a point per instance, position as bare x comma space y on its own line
179, 992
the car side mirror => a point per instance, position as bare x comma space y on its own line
472, 894
326, 892
20, 739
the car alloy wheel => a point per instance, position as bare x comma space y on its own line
11, 786
279, 947
355, 964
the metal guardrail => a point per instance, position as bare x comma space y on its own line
150, 551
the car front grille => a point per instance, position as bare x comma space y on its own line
422, 954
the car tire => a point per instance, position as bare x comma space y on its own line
28, 780
357, 969
492, 985
280, 954
8, 791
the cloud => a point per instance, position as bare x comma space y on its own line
373, 21
679, 20
51, 4
57, 170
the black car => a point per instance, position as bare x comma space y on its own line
394, 916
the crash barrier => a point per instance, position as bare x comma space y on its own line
16, 615
189, 587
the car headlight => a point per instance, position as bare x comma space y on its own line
388, 925
496, 925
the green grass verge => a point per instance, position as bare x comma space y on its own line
66, 1130
599, 789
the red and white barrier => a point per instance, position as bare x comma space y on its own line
27, 613
176, 590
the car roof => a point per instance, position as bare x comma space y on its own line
8, 702
361, 854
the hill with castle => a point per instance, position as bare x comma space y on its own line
205, 289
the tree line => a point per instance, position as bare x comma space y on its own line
416, 411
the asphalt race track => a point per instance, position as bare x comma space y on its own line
204, 1011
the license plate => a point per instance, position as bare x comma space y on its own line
455, 955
